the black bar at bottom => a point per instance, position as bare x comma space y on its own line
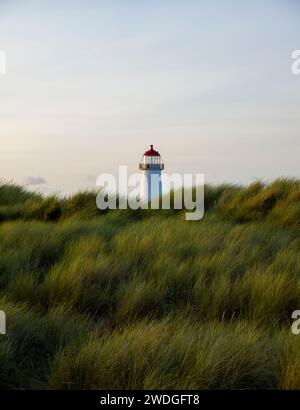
133, 399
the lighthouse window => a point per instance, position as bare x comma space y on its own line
151, 160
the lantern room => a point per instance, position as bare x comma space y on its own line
151, 160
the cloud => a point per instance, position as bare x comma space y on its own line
35, 181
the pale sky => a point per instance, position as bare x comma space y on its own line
91, 84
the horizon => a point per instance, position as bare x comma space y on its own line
88, 89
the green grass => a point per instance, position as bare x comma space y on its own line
144, 299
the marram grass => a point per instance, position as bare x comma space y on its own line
147, 300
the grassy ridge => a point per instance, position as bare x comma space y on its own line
125, 299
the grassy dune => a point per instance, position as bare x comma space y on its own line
144, 299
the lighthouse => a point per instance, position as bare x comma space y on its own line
151, 166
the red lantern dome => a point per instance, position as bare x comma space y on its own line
152, 152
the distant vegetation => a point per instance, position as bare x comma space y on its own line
144, 299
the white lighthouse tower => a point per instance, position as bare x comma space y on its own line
151, 166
